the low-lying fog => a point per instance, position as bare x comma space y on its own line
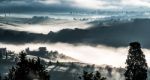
98, 55
36, 23
47, 26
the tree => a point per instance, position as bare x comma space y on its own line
92, 76
87, 76
27, 69
22, 67
136, 68
0, 77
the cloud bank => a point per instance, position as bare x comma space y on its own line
71, 5
117, 35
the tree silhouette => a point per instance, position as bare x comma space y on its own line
0, 77
92, 76
136, 63
22, 67
27, 69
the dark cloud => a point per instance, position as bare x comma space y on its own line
41, 6
22, 6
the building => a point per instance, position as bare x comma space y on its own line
3, 52
42, 49
41, 52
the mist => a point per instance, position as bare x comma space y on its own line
45, 26
99, 55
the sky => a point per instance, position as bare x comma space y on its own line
19, 6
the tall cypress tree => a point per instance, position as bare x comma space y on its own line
136, 68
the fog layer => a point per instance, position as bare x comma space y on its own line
98, 55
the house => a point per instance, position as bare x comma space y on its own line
3, 51
42, 51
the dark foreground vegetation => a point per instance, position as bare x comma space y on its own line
27, 69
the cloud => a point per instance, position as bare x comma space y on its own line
88, 4
95, 4
72, 5
136, 3
49, 1
104, 4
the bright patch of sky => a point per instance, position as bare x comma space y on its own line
102, 4
140, 3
